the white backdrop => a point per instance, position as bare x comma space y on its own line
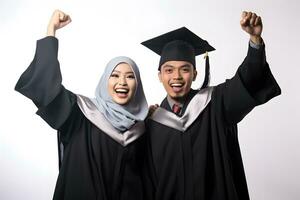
269, 135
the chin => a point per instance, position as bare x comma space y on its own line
178, 97
121, 101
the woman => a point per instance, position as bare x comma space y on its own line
100, 143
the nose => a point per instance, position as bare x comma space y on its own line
122, 80
177, 74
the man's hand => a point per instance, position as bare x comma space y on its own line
58, 20
252, 24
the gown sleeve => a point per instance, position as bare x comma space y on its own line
41, 82
252, 85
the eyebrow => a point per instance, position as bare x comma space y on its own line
125, 72
181, 66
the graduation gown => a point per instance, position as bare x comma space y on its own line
96, 161
197, 155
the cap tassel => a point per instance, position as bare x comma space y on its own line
207, 72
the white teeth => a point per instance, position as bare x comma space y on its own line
121, 90
176, 85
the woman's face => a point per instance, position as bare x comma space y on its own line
122, 84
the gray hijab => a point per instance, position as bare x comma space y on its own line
122, 117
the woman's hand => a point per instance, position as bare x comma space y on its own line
152, 108
58, 20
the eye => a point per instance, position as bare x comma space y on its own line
114, 75
131, 76
168, 70
186, 69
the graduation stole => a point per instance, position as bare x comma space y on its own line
92, 113
193, 110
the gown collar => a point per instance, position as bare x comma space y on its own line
194, 108
91, 112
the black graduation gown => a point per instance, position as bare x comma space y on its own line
92, 164
204, 160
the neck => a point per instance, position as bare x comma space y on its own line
179, 101
182, 100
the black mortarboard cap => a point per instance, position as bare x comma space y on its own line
180, 45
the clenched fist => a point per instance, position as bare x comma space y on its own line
58, 20
252, 24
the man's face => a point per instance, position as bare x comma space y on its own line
177, 78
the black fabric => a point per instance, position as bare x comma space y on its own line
177, 50
205, 162
180, 44
92, 165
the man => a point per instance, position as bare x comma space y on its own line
193, 150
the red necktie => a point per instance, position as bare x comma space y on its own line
176, 109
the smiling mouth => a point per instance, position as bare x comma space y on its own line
177, 87
122, 92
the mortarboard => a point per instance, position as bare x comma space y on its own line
180, 45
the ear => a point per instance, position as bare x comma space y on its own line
195, 75
159, 76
